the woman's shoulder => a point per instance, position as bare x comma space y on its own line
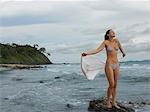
106, 41
116, 40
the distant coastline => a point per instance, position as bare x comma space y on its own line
20, 66
22, 55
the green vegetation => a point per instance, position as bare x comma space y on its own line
22, 54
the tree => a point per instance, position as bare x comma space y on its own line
48, 54
36, 45
42, 49
14, 45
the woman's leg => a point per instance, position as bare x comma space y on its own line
110, 78
116, 77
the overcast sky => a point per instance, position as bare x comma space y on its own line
66, 28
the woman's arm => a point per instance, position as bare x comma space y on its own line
121, 48
97, 50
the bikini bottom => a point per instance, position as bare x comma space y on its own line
113, 66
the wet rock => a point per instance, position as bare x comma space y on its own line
6, 99
144, 103
57, 77
16, 79
65, 63
41, 81
131, 102
74, 78
141, 103
68, 105
100, 105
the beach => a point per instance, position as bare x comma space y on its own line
64, 88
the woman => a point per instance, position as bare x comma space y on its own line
112, 44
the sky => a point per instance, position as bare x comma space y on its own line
66, 28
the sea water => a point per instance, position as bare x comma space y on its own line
64, 88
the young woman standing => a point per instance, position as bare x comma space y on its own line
111, 44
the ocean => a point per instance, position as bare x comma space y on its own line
64, 88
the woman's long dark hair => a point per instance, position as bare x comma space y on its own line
106, 37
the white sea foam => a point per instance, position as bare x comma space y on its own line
52, 70
134, 66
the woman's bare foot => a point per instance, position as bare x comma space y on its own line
115, 105
109, 104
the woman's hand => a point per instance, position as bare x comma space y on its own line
123, 55
84, 54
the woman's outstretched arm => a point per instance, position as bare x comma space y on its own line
97, 50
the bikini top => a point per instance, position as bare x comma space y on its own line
109, 48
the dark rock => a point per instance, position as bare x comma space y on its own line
131, 102
57, 77
16, 79
74, 77
69, 106
6, 99
144, 103
65, 63
41, 81
100, 105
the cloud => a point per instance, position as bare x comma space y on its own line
70, 27
120, 5
137, 45
10, 9
69, 48
26, 13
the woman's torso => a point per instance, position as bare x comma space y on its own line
111, 50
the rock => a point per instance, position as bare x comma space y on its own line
101, 106
41, 81
65, 63
68, 105
16, 79
6, 98
144, 103
57, 77
131, 102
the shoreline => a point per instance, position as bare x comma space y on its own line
20, 66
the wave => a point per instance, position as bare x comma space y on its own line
134, 66
136, 79
147, 62
53, 70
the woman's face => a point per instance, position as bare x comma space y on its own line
111, 33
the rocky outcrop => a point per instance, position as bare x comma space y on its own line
100, 105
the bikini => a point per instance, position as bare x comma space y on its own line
113, 65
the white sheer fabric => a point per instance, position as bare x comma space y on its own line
91, 66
